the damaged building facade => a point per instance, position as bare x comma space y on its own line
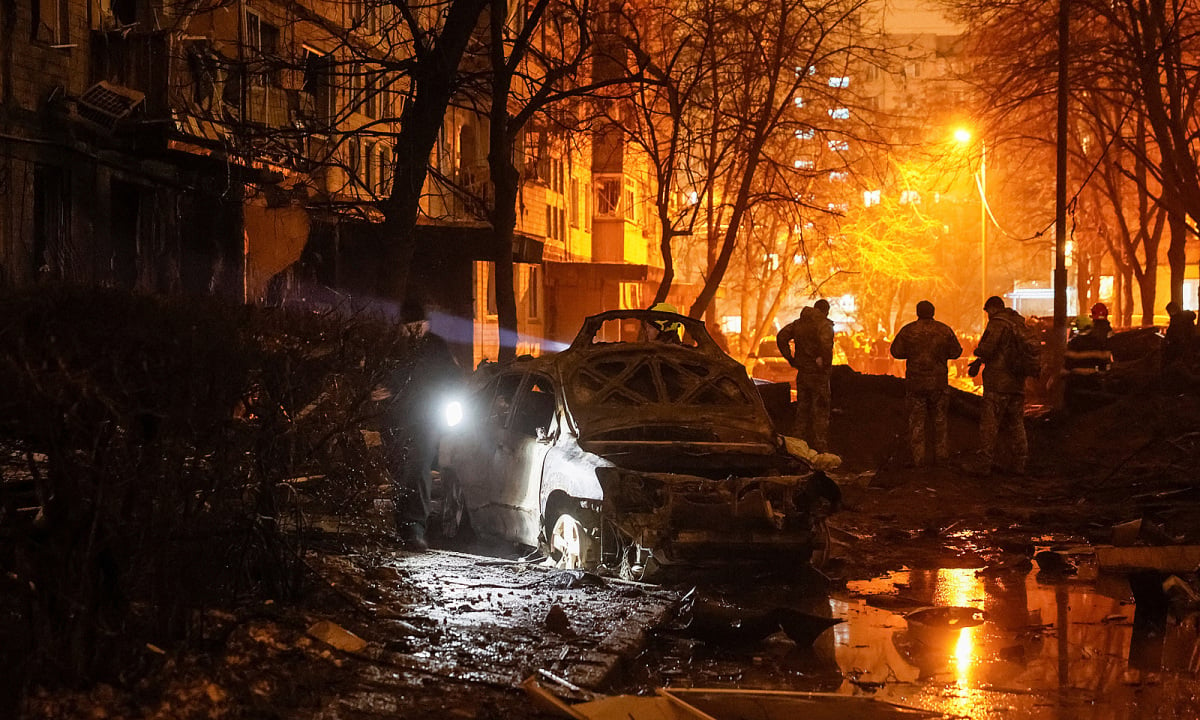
238, 149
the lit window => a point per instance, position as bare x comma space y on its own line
839, 145
804, 164
805, 134
839, 113
799, 102
837, 176
839, 82
910, 197
870, 197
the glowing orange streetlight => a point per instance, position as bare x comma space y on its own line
963, 137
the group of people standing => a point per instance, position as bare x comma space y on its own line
927, 345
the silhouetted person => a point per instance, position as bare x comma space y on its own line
420, 386
1179, 345
812, 335
1003, 411
927, 345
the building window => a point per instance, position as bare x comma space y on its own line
262, 44
839, 82
839, 145
354, 160
535, 293
385, 170
608, 197
839, 113
318, 85
371, 95
491, 289
51, 21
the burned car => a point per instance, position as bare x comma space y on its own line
630, 453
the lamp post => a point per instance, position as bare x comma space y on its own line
963, 137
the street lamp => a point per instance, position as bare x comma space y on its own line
963, 137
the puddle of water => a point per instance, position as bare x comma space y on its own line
1046, 648
1065, 649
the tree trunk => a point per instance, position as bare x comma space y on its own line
506, 183
433, 84
1176, 255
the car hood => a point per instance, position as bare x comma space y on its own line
672, 394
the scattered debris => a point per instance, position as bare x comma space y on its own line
1165, 558
557, 623
726, 625
723, 704
1054, 563
945, 618
1140, 532
336, 636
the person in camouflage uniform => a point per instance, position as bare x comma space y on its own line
812, 334
927, 345
1003, 387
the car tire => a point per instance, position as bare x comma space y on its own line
454, 523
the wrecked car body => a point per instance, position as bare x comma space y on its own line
630, 453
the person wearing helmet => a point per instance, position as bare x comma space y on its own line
668, 331
927, 345
812, 335
1087, 356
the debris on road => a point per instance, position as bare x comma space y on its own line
336, 636
723, 704
1165, 558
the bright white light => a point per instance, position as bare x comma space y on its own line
962, 135
454, 413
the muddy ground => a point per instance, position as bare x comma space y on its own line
453, 635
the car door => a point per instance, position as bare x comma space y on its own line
472, 450
520, 458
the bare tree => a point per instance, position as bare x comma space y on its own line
730, 89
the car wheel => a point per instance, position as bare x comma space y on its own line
573, 544
454, 525
822, 547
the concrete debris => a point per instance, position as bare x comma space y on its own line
336, 636
557, 623
1054, 563
818, 460
1140, 532
1166, 558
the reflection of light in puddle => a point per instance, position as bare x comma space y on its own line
1010, 666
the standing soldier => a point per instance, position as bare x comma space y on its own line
927, 345
812, 334
1003, 386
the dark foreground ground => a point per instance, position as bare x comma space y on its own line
452, 635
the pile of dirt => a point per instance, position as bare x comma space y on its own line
869, 422
1133, 458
